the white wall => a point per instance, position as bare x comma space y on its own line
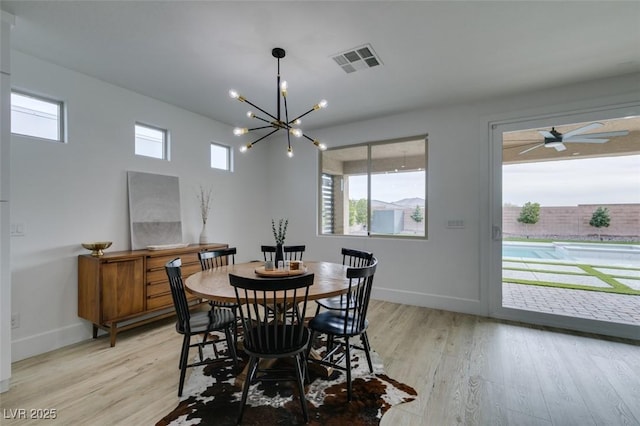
66, 194
6, 22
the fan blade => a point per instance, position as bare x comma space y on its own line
546, 134
531, 149
585, 140
582, 129
603, 135
560, 147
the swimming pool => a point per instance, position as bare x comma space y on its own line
530, 252
619, 254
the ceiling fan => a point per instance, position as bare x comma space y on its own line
555, 139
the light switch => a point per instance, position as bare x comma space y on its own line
455, 224
17, 229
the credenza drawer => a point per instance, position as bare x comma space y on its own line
164, 301
160, 275
158, 262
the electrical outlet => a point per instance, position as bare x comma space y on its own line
15, 320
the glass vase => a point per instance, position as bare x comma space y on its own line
204, 237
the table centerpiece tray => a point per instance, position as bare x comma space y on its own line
260, 271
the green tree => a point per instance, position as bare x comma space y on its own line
417, 214
600, 219
529, 215
358, 212
352, 212
361, 211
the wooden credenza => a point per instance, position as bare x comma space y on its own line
125, 289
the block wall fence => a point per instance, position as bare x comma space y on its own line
573, 221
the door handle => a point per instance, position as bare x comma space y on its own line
496, 232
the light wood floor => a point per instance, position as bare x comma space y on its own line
467, 370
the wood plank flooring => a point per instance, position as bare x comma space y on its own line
467, 370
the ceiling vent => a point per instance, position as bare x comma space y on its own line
358, 58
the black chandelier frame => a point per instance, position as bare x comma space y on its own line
276, 122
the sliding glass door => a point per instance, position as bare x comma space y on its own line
566, 221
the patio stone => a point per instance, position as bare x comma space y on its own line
584, 280
596, 305
614, 272
631, 283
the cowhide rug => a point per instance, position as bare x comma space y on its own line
210, 397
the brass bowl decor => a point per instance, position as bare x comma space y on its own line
97, 247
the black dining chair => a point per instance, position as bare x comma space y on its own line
200, 322
290, 252
342, 325
211, 259
352, 258
274, 335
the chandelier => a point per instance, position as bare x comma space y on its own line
276, 122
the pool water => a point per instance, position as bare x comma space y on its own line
531, 252
601, 254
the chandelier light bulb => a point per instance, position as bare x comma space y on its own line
250, 114
297, 122
283, 88
240, 131
244, 148
290, 152
296, 132
233, 94
319, 145
323, 103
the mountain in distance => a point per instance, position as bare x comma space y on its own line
404, 203
410, 202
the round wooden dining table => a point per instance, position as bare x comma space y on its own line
213, 284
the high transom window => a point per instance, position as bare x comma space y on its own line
37, 117
151, 141
220, 156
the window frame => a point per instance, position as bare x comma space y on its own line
165, 140
229, 155
61, 116
369, 146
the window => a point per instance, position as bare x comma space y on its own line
220, 157
151, 141
37, 117
375, 189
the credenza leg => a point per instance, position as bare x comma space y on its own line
95, 331
113, 330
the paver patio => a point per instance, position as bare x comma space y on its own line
595, 305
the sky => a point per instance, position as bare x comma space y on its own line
611, 180
388, 187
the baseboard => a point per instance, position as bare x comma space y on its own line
4, 385
465, 306
50, 340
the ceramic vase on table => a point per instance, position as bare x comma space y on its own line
204, 237
279, 254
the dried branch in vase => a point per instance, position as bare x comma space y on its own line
204, 197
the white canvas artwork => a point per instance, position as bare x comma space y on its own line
154, 210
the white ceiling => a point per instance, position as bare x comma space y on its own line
191, 53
